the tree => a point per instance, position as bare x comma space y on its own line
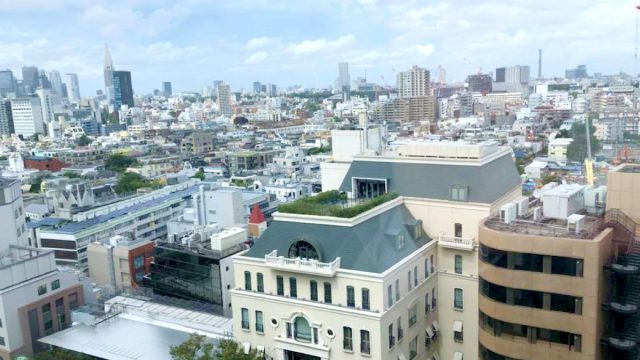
71, 174
130, 182
199, 174
198, 348
119, 163
61, 354
36, 186
577, 150
83, 140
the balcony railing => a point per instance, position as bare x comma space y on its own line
308, 266
456, 242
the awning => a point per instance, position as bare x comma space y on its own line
246, 347
457, 326
457, 355
429, 332
260, 349
436, 326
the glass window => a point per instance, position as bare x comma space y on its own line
390, 296
313, 286
138, 262
2, 341
397, 290
426, 303
293, 287
55, 284
458, 336
458, 301
351, 297
433, 298
259, 322
426, 268
73, 301
42, 289
245, 318
400, 332
392, 339
304, 250
413, 348
247, 280
409, 280
47, 319
400, 240
260, 279
365, 342
415, 276
327, 293
347, 341
365, 299
458, 264
459, 193
433, 264
280, 285
413, 314
302, 330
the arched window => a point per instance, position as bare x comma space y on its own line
302, 330
303, 249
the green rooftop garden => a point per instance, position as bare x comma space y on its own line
334, 203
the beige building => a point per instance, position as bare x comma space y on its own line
120, 262
409, 109
153, 167
402, 278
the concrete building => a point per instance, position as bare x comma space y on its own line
73, 87
152, 167
7, 83
481, 83
6, 118
413, 109
396, 282
120, 262
30, 79
557, 148
198, 142
108, 76
413, 82
512, 79
122, 89
166, 89
27, 116
47, 103
35, 296
224, 99
344, 79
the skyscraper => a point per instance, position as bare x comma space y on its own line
43, 79
56, 82
224, 98
30, 78
344, 80
46, 105
73, 87
166, 88
108, 75
122, 89
257, 87
6, 82
414, 82
27, 115
6, 118
512, 79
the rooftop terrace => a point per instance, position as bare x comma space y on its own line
547, 227
335, 204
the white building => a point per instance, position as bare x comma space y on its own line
399, 281
557, 148
413, 82
27, 116
73, 87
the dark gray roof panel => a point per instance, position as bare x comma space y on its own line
486, 183
367, 246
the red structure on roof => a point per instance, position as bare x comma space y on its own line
256, 216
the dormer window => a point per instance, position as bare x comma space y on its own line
418, 230
304, 250
459, 192
400, 240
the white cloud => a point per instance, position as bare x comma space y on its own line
313, 46
425, 50
260, 42
258, 57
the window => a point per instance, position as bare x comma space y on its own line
60, 312
458, 264
47, 319
426, 303
400, 240
55, 284
73, 301
327, 293
413, 314
397, 290
409, 280
347, 340
138, 262
458, 193
302, 330
42, 289
426, 268
392, 339
418, 229
259, 322
458, 299
458, 335
247, 280
351, 297
260, 279
365, 342
365, 299
415, 276
433, 298
433, 265
413, 348
293, 287
389, 296
400, 332
313, 286
2, 341
245, 318
280, 285
304, 250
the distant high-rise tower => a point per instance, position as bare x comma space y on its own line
224, 98
6, 118
166, 88
442, 75
539, 63
30, 78
108, 75
414, 82
7, 82
344, 79
122, 89
56, 82
73, 87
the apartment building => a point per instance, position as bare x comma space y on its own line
399, 281
152, 167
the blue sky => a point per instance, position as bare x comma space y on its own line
194, 42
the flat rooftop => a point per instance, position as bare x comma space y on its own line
547, 227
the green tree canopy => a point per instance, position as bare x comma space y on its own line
71, 174
198, 348
130, 182
119, 163
199, 174
61, 354
83, 140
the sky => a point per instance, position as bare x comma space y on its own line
298, 42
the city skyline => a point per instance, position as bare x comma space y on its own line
194, 43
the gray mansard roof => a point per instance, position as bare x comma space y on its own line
486, 183
369, 246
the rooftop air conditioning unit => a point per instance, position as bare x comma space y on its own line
522, 206
508, 213
537, 213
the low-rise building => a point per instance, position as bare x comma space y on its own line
557, 148
44, 163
